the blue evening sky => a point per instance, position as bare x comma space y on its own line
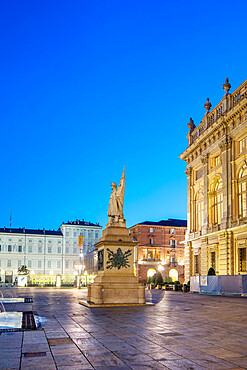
87, 87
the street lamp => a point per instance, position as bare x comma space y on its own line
79, 267
85, 274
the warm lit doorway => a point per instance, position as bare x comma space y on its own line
173, 274
151, 272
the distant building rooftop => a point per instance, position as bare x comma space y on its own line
81, 222
170, 222
30, 231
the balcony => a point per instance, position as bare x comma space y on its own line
151, 259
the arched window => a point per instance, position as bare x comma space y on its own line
242, 191
199, 210
216, 207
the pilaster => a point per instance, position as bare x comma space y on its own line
224, 249
188, 172
205, 194
204, 258
187, 262
226, 179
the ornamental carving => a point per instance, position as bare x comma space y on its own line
118, 259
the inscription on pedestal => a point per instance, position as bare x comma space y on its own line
101, 260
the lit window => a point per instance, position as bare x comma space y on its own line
242, 145
151, 241
172, 231
242, 192
215, 161
199, 211
173, 243
151, 229
216, 203
242, 259
213, 260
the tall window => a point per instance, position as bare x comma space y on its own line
196, 260
242, 191
199, 211
242, 145
213, 260
216, 207
242, 259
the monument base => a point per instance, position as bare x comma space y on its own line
91, 304
116, 284
115, 289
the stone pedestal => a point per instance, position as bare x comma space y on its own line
116, 283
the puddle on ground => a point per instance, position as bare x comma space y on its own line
10, 320
12, 300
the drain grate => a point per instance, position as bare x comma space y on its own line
28, 300
34, 354
28, 321
57, 341
171, 334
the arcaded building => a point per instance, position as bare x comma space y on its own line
216, 159
160, 248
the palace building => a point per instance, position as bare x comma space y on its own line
46, 253
216, 172
160, 249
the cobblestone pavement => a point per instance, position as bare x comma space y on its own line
183, 331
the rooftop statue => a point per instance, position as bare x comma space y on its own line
115, 211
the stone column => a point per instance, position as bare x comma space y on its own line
205, 194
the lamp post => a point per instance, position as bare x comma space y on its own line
85, 274
79, 267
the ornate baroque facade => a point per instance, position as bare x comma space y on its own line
217, 187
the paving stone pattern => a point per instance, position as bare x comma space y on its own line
183, 331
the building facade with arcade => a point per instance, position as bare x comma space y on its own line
160, 249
